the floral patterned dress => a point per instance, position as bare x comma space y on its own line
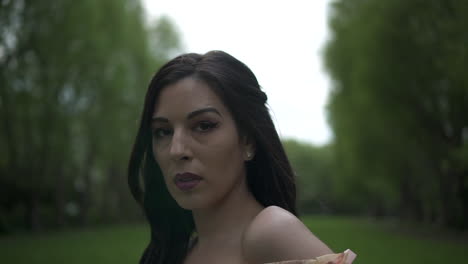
346, 257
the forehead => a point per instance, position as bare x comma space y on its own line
185, 96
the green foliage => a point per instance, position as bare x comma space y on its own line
72, 76
313, 169
398, 107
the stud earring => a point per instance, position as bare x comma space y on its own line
249, 155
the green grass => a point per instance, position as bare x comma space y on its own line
374, 243
113, 245
380, 243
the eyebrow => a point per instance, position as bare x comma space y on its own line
190, 115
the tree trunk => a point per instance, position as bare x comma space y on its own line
59, 199
463, 196
86, 192
32, 213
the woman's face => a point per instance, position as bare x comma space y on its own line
197, 145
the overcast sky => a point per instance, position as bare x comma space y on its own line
281, 41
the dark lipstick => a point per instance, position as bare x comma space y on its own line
186, 181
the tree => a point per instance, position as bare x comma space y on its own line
72, 81
313, 167
398, 106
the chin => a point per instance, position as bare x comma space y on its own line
191, 203
185, 204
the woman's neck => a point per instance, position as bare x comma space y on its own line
227, 220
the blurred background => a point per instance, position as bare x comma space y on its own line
370, 97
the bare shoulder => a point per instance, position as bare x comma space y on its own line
275, 235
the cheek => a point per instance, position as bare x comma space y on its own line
163, 163
225, 163
160, 159
226, 153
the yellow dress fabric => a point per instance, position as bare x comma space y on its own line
346, 257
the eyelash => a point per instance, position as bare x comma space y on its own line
156, 132
208, 126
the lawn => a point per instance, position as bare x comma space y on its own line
378, 243
113, 245
374, 243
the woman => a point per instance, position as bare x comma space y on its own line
217, 185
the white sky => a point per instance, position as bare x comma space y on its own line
280, 41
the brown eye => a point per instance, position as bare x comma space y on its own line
205, 126
161, 132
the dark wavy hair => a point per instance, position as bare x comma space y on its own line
269, 175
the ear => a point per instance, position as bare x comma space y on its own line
248, 147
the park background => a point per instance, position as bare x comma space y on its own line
391, 183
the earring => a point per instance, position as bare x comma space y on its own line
249, 155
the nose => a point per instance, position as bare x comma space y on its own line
179, 149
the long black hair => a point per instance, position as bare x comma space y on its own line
269, 175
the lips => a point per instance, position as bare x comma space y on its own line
186, 181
